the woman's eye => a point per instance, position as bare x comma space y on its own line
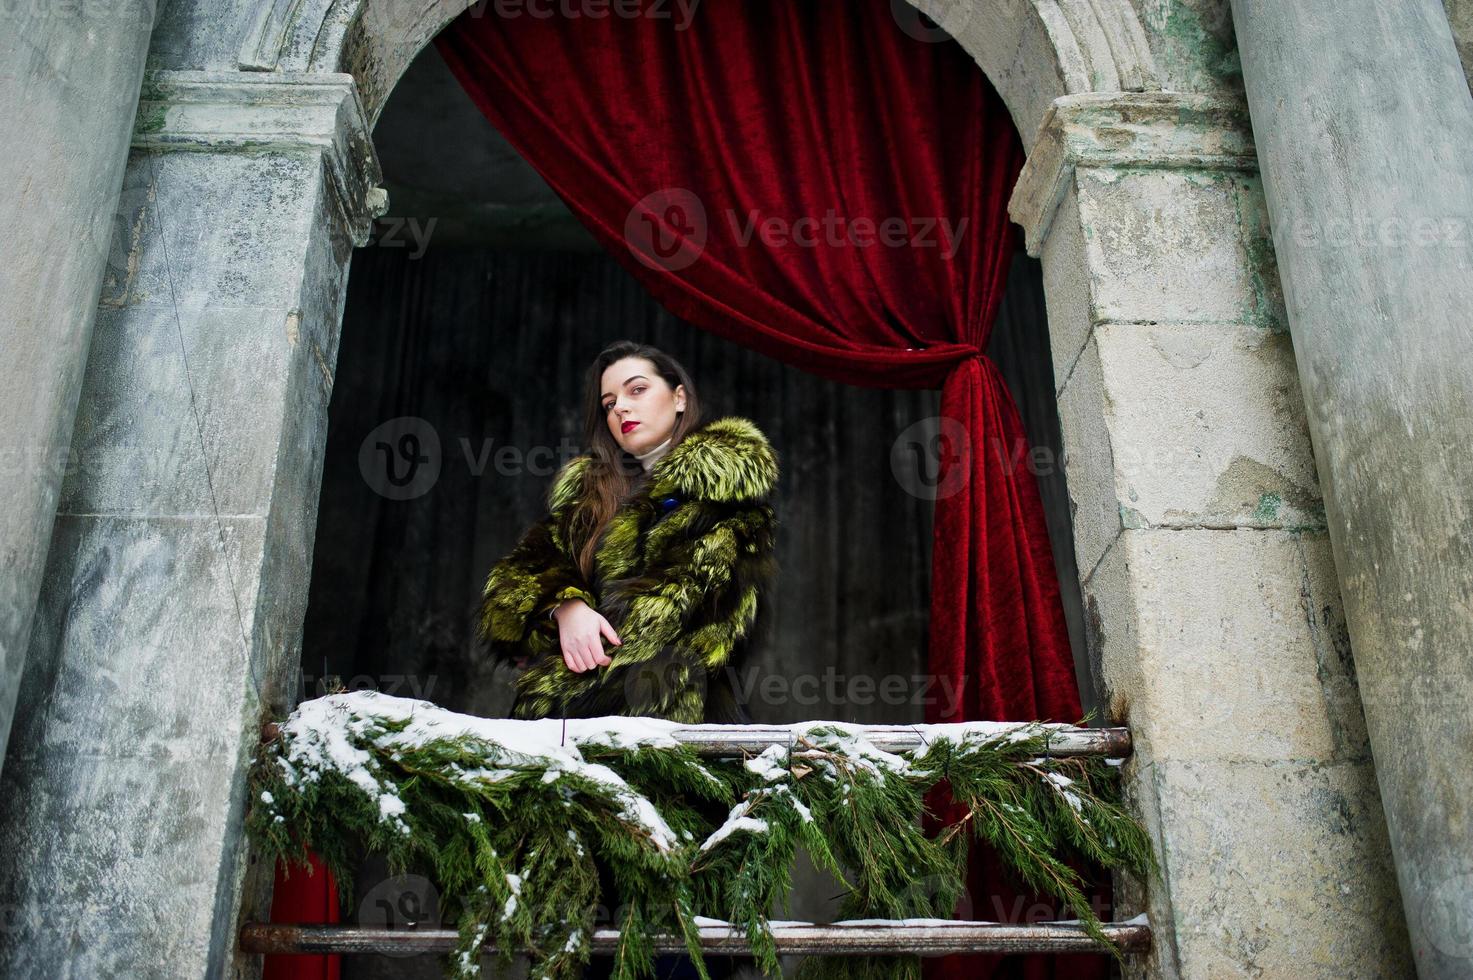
638, 389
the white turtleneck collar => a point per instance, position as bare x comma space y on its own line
648, 459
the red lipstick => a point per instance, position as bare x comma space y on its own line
627, 426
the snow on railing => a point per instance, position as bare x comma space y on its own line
556, 743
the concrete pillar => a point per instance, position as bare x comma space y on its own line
1364, 126
1211, 603
171, 611
69, 77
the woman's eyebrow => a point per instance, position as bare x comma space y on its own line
635, 377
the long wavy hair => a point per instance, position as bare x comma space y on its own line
614, 474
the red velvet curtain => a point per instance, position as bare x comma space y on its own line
821, 182
807, 179
308, 897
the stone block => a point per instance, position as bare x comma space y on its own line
1089, 465
1207, 648
140, 640
1258, 242
1320, 594
1279, 869
1207, 427
165, 391
138, 713
212, 229
136, 272
1066, 290
137, 881
1164, 246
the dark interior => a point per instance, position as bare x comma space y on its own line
476, 312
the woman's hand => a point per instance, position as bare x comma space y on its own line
581, 631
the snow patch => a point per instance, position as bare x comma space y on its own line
325, 734
736, 820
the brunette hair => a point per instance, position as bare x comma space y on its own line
614, 474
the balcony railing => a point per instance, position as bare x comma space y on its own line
923, 937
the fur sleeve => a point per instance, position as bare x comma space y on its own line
536, 575
679, 623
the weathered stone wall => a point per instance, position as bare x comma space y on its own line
68, 88
1364, 132
176, 585
1209, 587
1193, 44
1460, 17
171, 613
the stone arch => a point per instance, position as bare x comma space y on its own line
1033, 51
1038, 54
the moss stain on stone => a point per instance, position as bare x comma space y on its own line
1268, 507
1199, 36
1266, 311
150, 117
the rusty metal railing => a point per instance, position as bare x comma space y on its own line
1064, 740
924, 937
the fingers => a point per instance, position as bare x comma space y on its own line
576, 656
584, 653
606, 630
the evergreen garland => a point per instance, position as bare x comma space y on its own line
512, 815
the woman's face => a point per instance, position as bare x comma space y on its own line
633, 392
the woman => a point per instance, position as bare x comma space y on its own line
638, 591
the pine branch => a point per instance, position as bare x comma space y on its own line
514, 829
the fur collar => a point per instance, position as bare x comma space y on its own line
725, 460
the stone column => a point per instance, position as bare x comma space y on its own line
67, 93
1212, 607
170, 615
1364, 125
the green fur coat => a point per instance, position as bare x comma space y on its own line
680, 572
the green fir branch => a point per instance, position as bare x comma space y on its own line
514, 830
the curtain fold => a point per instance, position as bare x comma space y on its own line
807, 179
